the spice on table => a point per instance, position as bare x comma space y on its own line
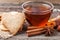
50, 28
31, 27
58, 28
35, 31
50, 32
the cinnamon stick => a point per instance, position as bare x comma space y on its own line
35, 33
34, 30
31, 27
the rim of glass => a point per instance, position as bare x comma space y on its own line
52, 7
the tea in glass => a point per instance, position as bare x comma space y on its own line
38, 13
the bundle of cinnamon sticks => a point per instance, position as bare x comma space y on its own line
31, 31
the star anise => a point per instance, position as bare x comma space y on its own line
50, 31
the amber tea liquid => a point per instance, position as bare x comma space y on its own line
36, 15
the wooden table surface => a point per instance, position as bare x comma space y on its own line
23, 36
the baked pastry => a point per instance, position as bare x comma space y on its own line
13, 21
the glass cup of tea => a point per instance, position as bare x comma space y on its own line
37, 12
